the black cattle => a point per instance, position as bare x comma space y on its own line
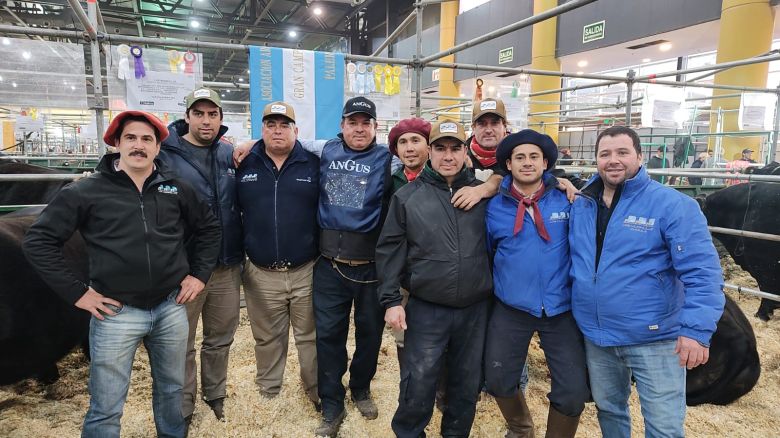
733, 368
751, 207
26, 192
37, 327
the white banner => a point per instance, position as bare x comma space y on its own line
660, 107
28, 124
162, 92
754, 111
299, 88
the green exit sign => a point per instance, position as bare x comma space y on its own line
593, 32
506, 55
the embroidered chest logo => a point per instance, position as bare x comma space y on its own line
559, 216
641, 224
306, 180
249, 177
350, 166
169, 190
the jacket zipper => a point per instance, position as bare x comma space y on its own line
146, 238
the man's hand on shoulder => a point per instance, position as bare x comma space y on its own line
691, 352
396, 317
95, 303
242, 150
190, 288
567, 187
467, 197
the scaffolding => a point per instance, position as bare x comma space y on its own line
95, 38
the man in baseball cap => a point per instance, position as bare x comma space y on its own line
446, 316
194, 150
528, 220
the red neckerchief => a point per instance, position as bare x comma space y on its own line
524, 203
486, 157
412, 175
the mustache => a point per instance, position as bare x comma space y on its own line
138, 153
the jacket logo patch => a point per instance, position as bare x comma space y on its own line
349, 165
307, 179
641, 224
249, 177
559, 216
170, 190
231, 172
653, 327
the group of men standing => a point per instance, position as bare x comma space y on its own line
623, 283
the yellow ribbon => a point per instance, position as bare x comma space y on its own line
388, 80
377, 78
396, 79
174, 58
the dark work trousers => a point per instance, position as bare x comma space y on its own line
437, 336
508, 335
333, 296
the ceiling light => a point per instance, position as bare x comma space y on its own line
292, 34
317, 11
665, 47
1, 79
72, 87
14, 84
194, 24
223, 94
26, 55
240, 79
498, 94
580, 72
491, 89
582, 64
646, 60
247, 71
6, 41
462, 95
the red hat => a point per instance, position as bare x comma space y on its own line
415, 124
110, 134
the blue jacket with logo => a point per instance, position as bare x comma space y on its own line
529, 273
220, 195
658, 277
279, 211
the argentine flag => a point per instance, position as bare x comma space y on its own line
312, 82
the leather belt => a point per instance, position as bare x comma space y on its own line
349, 262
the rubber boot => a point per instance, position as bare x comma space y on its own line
520, 424
561, 426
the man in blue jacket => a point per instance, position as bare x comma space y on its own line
278, 190
647, 288
528, 232
194, 151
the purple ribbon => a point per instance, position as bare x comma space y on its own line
137, 52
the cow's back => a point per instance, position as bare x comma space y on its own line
27, 192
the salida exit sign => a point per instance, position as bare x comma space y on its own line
593, 32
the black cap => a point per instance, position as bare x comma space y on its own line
747, 150
527, 136
359, 105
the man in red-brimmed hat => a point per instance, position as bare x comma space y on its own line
132, 214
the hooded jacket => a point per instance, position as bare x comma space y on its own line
220, 195
529, 273
435, 251
658, 276
135, 241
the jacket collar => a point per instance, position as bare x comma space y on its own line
464, 178
178, 129
296, 154
631, 186
550, 183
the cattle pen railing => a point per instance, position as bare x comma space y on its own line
718, 230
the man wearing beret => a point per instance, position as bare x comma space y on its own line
194, 150
646, 288
278, 191
529, 222
135, 217
408, 140
439, 254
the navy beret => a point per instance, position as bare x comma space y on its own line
527, 136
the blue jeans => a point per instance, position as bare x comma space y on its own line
660, 383
112, 345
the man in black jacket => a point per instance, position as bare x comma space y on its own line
194, 151
135, 219
278, 190
439, 254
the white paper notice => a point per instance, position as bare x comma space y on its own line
162, 92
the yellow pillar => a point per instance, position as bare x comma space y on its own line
745, 32
447, 86
543, 58
8, 134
